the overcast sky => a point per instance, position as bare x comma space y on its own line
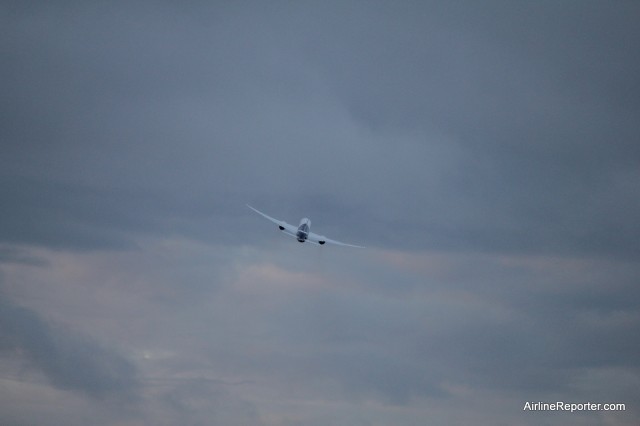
486, 152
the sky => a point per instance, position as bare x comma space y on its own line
485, 153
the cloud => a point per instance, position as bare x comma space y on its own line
443, 133
68, 360
249, 334
486, 153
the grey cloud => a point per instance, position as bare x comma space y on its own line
530, 328
68, 360
82, 217
212, 110
427, 117
206, 403
10, 254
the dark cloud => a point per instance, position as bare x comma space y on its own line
68, 360
10, 254
212, 403
474, 125
81, 217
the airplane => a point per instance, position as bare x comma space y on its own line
302, 232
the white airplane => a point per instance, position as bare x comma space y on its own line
302, 233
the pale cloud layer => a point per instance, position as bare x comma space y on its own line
486, 153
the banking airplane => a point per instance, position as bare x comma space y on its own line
302, 233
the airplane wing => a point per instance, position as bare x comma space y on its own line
284, 226
320, 239
291, 231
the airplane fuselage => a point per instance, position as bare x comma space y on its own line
303, 230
